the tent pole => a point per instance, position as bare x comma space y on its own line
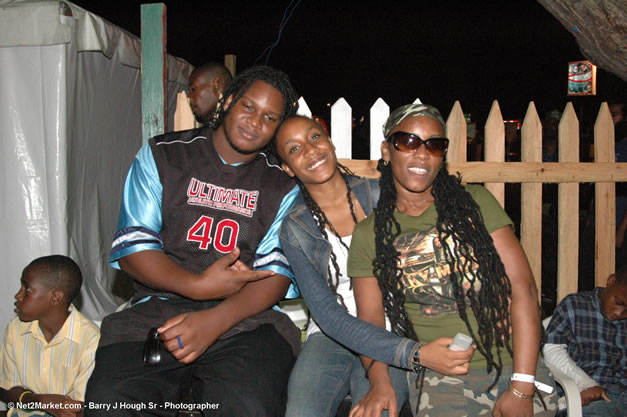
153, 69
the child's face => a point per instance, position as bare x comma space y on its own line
614, 301
33, 300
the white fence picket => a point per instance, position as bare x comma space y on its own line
379, 113
341, 128
303, 108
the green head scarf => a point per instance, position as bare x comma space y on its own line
410, 110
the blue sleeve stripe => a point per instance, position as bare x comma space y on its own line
274, 253
127, 233
121, 252
133, 235
269, 255
275, 258
133, 239
125, 245
277, 262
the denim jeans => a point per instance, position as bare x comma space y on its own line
325, 372
601, 408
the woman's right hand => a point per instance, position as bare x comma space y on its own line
438, 357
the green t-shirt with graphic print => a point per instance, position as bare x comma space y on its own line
429, 298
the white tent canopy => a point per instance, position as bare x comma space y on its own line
70, 125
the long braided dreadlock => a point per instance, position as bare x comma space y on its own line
322, 221
475, 259
242, 82
386, 265
460, 219
470, 256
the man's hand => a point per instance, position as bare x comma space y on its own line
57, 405
196, 331
438, 357
225, 277
380, 397
593, 394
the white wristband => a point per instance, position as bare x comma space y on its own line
523, 378
532, 380
544, 387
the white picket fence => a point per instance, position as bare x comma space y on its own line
341, 125
531, 172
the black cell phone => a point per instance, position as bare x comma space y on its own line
152, 348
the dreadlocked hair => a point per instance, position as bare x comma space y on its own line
386, 268
472, 256
242, 82
333, 279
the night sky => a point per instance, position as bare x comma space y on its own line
439, 51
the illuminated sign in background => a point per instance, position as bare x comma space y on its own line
582, 78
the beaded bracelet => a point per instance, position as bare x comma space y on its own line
415, 364
520, 394
23, 394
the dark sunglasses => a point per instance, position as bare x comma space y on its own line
408, 142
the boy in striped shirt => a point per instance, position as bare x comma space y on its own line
49, 348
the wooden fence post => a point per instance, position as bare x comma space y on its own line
153, 69
495, 147
605, 200
531, 195
230, 62
456, 131
183, 116
568, 208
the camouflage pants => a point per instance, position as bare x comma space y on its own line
467, 395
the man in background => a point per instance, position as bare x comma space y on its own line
586, 339
206, 86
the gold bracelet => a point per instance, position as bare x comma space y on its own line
520, 394
23, 394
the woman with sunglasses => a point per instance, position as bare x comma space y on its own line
440, 258
315, 236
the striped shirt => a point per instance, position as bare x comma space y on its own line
62, 366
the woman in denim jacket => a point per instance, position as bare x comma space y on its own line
315, 237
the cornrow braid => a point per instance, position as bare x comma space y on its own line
333, 279
476, 259
242, 82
